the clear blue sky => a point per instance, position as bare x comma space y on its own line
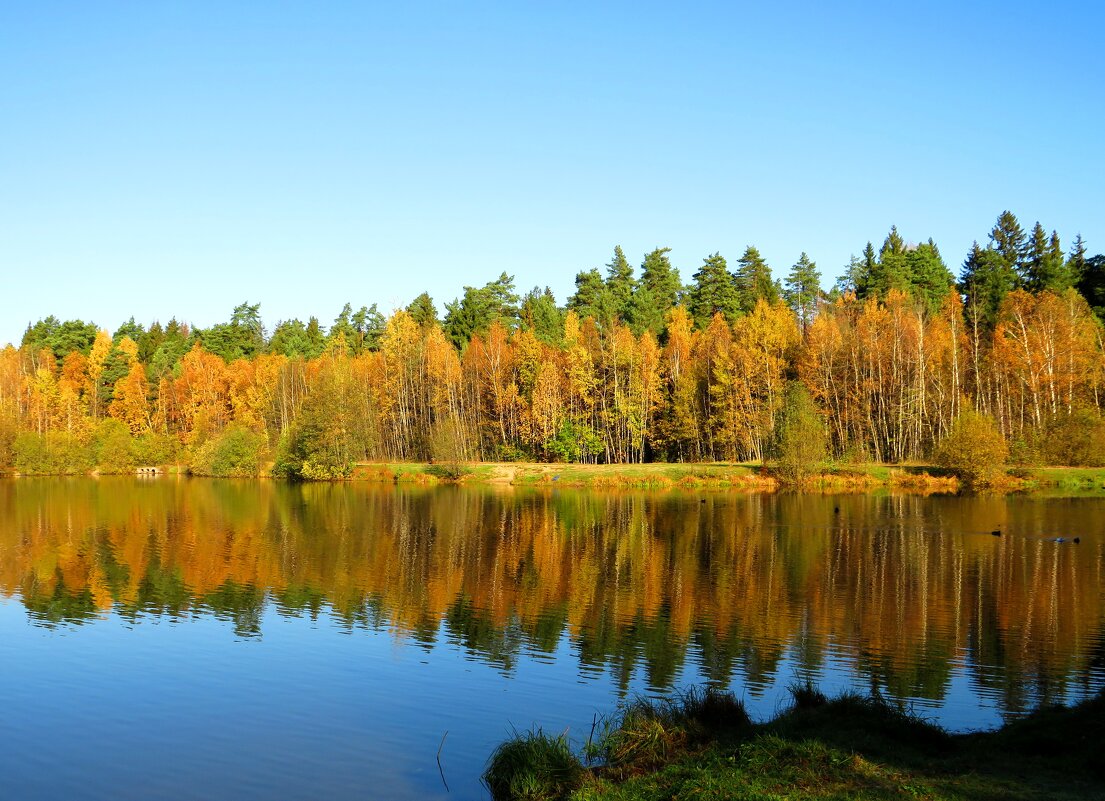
163, 159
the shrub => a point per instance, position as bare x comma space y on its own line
799, 442
9, 426
533, 766
321, 446
155, 449
1076, 439
574, 443
56, 453
974, 449
113, 446
236, 452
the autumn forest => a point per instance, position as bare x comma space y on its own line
633, 367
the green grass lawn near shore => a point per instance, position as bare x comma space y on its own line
705, 747
833, 477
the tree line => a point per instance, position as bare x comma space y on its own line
633, 367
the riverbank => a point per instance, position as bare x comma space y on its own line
923, 479
705, 746
752, 477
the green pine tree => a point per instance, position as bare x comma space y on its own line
620, 284
986, 279
714, 290
590, 298
541, 316
929, 277
802, 290
754, 280
1008, 241
657, 293
423, 311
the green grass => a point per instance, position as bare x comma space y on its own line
833, 477
533, 766
703, 746
1065, 480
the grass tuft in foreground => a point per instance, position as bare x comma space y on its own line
533, 766
704, 746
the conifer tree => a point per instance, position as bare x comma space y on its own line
986, 279
1076, 262
661, 279
930, 279
540, 315
620, 284
479, 309
754, 280
865, 279
423, 311
657, 293
1044, 267
802, 289
589, 299
714, 291
1008, 241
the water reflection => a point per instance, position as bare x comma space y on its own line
901, 591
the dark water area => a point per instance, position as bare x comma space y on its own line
250, 640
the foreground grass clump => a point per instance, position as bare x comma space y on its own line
648, 733
533, 766
703, 746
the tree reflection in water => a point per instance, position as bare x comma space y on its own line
902, 589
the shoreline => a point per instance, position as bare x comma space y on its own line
704, 745
916, 479
750, 477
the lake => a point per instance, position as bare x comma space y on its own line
211, 639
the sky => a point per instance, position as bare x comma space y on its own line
178, 159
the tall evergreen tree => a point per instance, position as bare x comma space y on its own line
889, 271
866, 280
293, 339
343, 327
369, 326
656, 294
1008, 241
242, 338
1059, 277
1076, 262
986, 279
423, 311
802, 289
129, 329
476, 311
850, 280
541, 316
930, 279
661, 279
714, 290
176, 342
150, 341
1091, 284
754, 280
60, 337
590, 298
620, 284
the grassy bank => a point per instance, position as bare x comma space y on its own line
834, 478
706, 747
924, 479
627, 476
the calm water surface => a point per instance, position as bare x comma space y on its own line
221, 640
